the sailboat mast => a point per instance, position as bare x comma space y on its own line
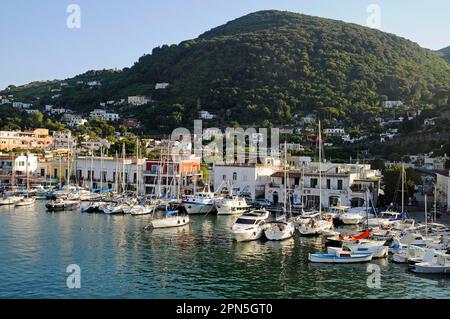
123, 167
285, 177
426, 216
92, 167
435, 203
403, 188
320, 170
101, 169
26, 171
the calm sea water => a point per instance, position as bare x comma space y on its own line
119, 259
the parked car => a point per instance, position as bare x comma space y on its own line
262, 203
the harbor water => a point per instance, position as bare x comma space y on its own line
119, 259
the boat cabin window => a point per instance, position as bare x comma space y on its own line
245, 221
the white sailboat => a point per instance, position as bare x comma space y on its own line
281, 228
316, 224
26, 201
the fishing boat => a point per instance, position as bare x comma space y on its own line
250, 226
61, 205
340, 256
231, 205
199, 203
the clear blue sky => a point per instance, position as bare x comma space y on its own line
37, 45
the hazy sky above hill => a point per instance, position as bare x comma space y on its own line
37, 44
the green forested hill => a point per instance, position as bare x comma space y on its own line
264, 67
446, 53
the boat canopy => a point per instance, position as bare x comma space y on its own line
362, 236
171, 212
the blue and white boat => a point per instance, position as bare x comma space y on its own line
340, 256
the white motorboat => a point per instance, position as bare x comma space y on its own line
384, 219
438, 263
250, 226
10, 200
279, 230
142, 210
170, 219
28, 201
352, 218
340, 256
315, 226
231, 205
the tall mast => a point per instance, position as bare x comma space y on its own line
101, 169
92, 167
26, 172
285, 177
403, 188
426, 217
435, 203
123, 167
320, 170
137, 167
116, 175
68, 164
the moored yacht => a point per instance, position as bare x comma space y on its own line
231, 205
250, 226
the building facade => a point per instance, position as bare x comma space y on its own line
36, 139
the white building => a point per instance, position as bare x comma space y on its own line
48, 108
21, 105
292, 147
102, 114
442, 189
139, 100
344, 184
94, 83
247, 179
62, 139
334, 131
435, 163
95, 144
205, 115
109, 172
73, 120
160, 86
391, 104
59, 111
19, 163
4, 101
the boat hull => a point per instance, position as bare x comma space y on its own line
168, 222
333, 259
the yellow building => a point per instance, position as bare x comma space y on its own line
36, 139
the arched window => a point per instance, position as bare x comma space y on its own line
234, 176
